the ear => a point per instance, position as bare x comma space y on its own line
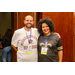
23, 21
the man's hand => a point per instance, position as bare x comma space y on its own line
14, 47
58, 34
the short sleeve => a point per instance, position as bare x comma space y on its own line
59, 45
15, 39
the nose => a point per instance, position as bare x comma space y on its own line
45, 27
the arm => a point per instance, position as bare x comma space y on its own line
14, 41
60, 54
15, 48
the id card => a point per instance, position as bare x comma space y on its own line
29, 51
44, 50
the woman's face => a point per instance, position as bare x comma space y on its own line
45, 29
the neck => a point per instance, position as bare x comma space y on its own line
47, 34
27, 29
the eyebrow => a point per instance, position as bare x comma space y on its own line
29, 20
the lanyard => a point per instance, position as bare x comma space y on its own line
47, 38
27, 35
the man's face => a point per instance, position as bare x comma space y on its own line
28, 21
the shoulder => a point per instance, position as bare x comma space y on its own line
40, 36
55, 36
19, 31
35, 30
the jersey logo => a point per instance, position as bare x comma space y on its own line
31, 42
46, 44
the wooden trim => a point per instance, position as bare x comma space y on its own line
35, 19
14, 21
74, 36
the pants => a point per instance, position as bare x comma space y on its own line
6, 51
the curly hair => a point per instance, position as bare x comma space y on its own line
48, 21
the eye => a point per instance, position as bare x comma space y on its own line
43, 27
31, 20
27, 20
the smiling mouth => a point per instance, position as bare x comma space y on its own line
45, 30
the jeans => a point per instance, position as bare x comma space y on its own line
6, 51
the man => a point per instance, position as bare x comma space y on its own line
25, 39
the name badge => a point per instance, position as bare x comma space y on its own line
29, 51
44, 50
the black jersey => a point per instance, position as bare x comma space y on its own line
53, 45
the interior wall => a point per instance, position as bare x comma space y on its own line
5, 22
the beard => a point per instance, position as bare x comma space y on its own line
28, 26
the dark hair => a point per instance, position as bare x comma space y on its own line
48, 21
8, 32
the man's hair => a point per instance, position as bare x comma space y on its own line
27, 16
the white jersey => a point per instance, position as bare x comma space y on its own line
20, 41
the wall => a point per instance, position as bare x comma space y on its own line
5, 21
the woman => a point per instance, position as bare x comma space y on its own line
49, 44
6, 43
